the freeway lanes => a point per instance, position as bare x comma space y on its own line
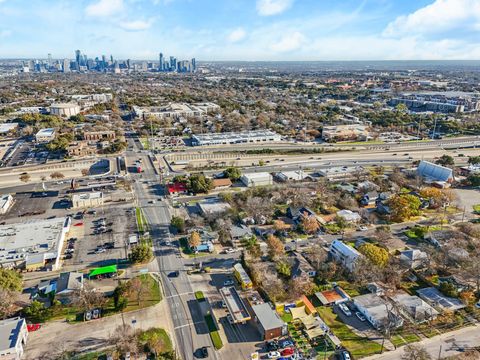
190, 329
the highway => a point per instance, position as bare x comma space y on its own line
190, 330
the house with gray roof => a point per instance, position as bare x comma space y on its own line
378, 311
13, 338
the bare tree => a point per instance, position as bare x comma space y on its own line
124, 339
7, 303
415, 352
57, 175
258, 208
138, 288
87, 298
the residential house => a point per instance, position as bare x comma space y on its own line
414, 308
349, 216
13, 338
301, 267
240, 232
214, 206
176, 189
219, 184
298, 214
369, 199
344, 254
439, 301
63, 286
377, 311
413, 258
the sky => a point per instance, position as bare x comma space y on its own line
242, 29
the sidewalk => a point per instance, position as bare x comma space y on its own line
440, 346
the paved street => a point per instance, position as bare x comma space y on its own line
188, 324
441, 346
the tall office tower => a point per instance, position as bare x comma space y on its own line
111, 58
128, 63
85, 60
172, 63
78, 56
66, 65
49, 60
194, 65
161, 62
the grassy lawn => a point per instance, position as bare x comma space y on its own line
212, 328
145, 143
476, 209
156, 335
350, 289
357, 345
404, 339
141, 221
287, 317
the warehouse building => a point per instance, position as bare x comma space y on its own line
235, 138
87, 200
257, 179
33, 244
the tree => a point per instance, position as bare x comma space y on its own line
233, 173
301, 285
259, 208
317, 256
36, 311
141, 253
403, 207
178, 223
7, 303
252, 246
437, 197
10, 280
310, 224
284, 269
24, 177
474, 160
57, 175
124, 339
415, 352
198, 183
138, 288
448, 289
194, 240
445, 160
275, 247
377, 255
474, 179
88, 298
120, 302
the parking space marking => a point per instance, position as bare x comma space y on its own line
185, 293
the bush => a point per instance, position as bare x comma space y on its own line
36, 311
448, 289
178, 223
140, 254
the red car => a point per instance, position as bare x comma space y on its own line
33, 327
288, 352
78, 224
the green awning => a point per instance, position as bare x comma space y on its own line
103, 270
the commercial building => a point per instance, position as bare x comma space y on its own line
235, 305
6, 202
257, 179
443, 102
344, 254
345, 132
285, 176
64, 110
435, 173
214, 206
340, 173
269, 323
176, 110
81, 148
13, 338
7, 128
242, 137
87, 200
377, 311
45, 135
242, 276
33, 244
99, 135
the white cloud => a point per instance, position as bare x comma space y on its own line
104, 8
136, 25
272, 7
237, 35
289, 42
438, 17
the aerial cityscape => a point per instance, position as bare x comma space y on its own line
240, 179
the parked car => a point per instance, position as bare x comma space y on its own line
229, 250
360, 316
345, 309
363, 228
228, 282
203, 352
273, 355
285, 343
288, 352
174, 274
230, 319
272, 345
346, 355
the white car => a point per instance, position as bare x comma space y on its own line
345, 309
229, 250
273, 355
363, 228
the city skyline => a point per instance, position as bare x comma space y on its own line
244, 29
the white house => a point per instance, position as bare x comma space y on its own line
344, 254
349, 216
377, 311
257, 179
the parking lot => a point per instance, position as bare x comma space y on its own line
102, 239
